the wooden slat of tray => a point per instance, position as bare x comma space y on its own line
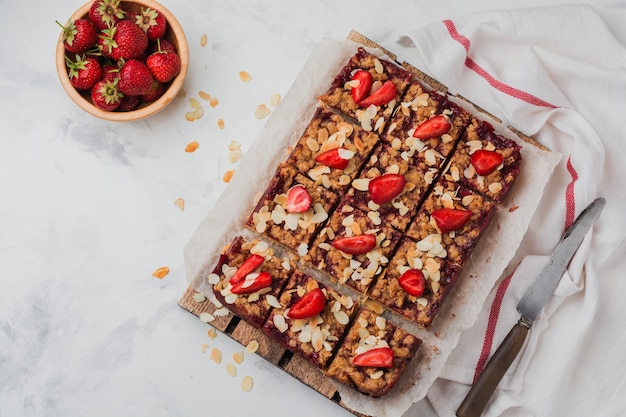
270, 350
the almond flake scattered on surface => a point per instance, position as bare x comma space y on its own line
231, 370
252, 346
161, 272
275, 100
180, 203
216, 355
220, 124
238, 357
228, 175
182, 93
192, 146
235, 151
244, 76
212, 333
262, 111
247, 383
203, 40
206, 317
204, 347
214, 102
204, 95
198, 297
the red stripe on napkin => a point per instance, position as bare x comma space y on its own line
494, 313
498, 85
570, 201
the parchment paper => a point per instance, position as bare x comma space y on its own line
462, 306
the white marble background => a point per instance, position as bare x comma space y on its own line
87, 210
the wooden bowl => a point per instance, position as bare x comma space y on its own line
174, 34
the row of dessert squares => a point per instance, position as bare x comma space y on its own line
387, 191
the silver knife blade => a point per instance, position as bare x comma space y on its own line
538, 293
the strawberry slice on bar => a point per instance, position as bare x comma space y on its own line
432, 128
413, 282
308, 306
337, 158
385, 188
362, 90
383, 95
485, 162
451, 219
249, 265
375, 358
298, 199
355, 245
252, 283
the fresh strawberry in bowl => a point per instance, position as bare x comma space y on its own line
101, 38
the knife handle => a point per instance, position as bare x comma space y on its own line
478, 396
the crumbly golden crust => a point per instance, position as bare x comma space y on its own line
372, 331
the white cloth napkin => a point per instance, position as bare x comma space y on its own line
558, 74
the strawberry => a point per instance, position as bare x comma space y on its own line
298, 199
164, 65
485, 162
110, 72
385, 188
309, 305
156, 91
135, 78
413, 282
355, 245
432, 128
337, 158
252, 283
383, 95
84, 72
105, 13
451, 219
105, 95
164, 45
251, 263
375, 358
152, 22
79, 36
365, 84
125, 41
129, 103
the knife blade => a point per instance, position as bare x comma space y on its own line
529, 307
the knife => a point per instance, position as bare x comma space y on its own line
529, 307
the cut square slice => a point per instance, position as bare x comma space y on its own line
331, 151
322, 315
454, 216
485, 161
373, 355
352, 249
416, 281
426, 125
249, 278
390, 188
367, 90
292, 209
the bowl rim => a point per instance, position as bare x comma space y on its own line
143, 112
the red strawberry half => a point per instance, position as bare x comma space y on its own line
252, 283
355, 245
362, 90
451, 219
298, 199
79, 35
385, 188
308, 306
413, 282
432, 128
251, 263
383, 95
485, 162
375, 358
337, 158
135, 78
